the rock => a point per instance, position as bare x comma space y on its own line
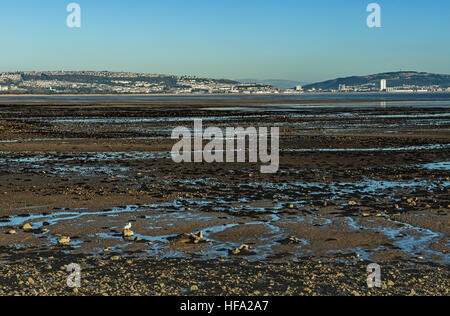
188, 238
12, 232
115, 258
390, 283
291, 240
127, 233
65, 241
241, 249
194, 288
27, 227
352, 203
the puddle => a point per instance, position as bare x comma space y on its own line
407, 148
412, 240
161, 245
444, 166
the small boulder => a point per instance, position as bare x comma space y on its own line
188, 238
27, 227
128, 233
241, 250
64, 241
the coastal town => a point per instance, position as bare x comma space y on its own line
104, 82
90, 82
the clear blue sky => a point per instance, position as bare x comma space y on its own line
307, 40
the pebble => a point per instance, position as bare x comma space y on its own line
27, 227
12, 232
128, 233
64, 240
194, 288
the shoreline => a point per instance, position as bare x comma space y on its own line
327, 214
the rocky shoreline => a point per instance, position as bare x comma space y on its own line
356, 186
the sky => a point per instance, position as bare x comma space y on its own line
304, 40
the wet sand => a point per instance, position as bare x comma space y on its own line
356, 185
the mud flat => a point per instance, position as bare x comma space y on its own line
358, 184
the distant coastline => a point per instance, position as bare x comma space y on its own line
217, 94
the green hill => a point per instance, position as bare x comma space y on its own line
394, 79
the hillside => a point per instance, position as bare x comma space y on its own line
277, 83
394, 79
103, 82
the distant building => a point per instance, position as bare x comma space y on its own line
383, 85
299, 88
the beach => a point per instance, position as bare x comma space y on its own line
361, 181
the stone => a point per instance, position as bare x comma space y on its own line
188, 238
194, 288
64, 241
242, 248
12, 232
27, 227
127, 233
